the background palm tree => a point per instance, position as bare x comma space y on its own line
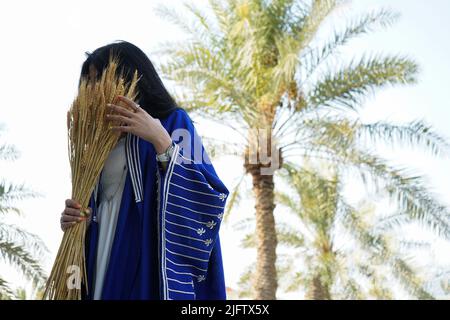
19, 248
255, 64
373, 248
336, 250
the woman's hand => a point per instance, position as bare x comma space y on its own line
140, 123
72, 215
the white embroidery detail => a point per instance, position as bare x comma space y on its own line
201, 278
208, 242
211, 224
201, 231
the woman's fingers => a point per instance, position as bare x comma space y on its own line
72, 203
133, 105
72, 212
122, 128
121, 110
67, 225
67, 218
119, 118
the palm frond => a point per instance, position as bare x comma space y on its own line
415, 134
312, 58
16, 255
5, 291
287, 236
409, 192
318, 12
349, 87
8, 152
378, 246
10, 193
408, 278
28, 240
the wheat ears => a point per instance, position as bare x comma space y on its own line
90, 141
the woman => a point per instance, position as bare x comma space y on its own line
156, 210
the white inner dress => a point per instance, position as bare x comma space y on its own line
112, 181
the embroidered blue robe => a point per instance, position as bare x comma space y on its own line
166, 244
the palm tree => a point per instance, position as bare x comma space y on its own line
260, 68
18, 247
335, 250
372, 248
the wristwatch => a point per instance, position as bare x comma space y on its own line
165, 156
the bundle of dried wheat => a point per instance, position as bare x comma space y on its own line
90, 141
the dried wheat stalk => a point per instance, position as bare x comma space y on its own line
90, 141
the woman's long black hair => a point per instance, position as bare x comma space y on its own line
152, 95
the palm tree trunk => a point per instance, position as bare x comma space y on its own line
318, 290
265, 279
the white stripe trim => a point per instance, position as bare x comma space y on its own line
179, 215
131, 167
193, 180
183, 226
158, 195
205, 193
138, 166
167, 177
177, 272
204, 213
184, 292
182, 282
186, 256
186, 265
188, 159
184, 245
190, 169
187, 237
198, 202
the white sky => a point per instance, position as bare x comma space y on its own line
40, 61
